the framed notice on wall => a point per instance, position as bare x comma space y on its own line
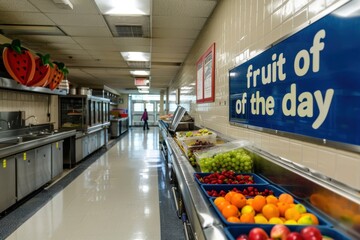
205, 77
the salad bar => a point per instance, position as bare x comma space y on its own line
233, 190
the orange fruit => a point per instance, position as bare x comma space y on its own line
270, 210
272, 199
238, 200
258, 203
219, 200
282, 207
233, 219
247, 218
249, 201
314, 218
222, 205
229, 195
286, 198
292, 213
230, 211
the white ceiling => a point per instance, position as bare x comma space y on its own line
92, 52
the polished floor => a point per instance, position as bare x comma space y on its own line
122, 194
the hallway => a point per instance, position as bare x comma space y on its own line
121, 195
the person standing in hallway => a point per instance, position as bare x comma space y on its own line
145, 118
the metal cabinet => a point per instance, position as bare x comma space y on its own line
78, 149
25, 173
7, 183
42, 165
85, 146
56, 158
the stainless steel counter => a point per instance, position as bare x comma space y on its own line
203, 219
35, 142
299, 180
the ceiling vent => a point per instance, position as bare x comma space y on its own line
129, 31
142, 65
129, 26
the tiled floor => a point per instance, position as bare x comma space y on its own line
116, 197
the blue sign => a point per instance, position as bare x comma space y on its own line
308, 84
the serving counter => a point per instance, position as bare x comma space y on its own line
200, 218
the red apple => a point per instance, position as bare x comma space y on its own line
279, 231
311, 233
258, 234
242, 237
294, 236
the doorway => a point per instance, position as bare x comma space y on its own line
137, 108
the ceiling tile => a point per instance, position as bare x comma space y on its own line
24, 18
46, 39
86, 31
77, 20
16, 6
169, 42
79, 7
183, 8
178, 22
175, 33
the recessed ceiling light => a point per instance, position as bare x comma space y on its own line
124, 7
143, 91
187, 88
143, 87
140, 72
136, 56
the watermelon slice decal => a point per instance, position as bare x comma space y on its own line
57, 74
19, 62
42, 71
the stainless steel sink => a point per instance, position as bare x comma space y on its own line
4, 145
7, 142
30, 137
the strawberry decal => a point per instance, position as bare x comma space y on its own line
19, 62
57, 74
42, 71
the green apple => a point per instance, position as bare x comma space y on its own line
301, 208
305, 220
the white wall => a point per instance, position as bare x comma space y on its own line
238, 26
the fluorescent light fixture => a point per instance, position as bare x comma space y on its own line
124, 7
143, 91
351, 9
65, 4
143, 87
187, 88
185, 91
136, 56
140, 72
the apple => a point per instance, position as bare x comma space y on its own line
301, 208
279, 231
311, 233
294, 236
242, 237
258, 234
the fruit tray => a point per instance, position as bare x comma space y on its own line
233, 232
322, 220
248, 190
244, 179
201, 134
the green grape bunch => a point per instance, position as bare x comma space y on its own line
237, 160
